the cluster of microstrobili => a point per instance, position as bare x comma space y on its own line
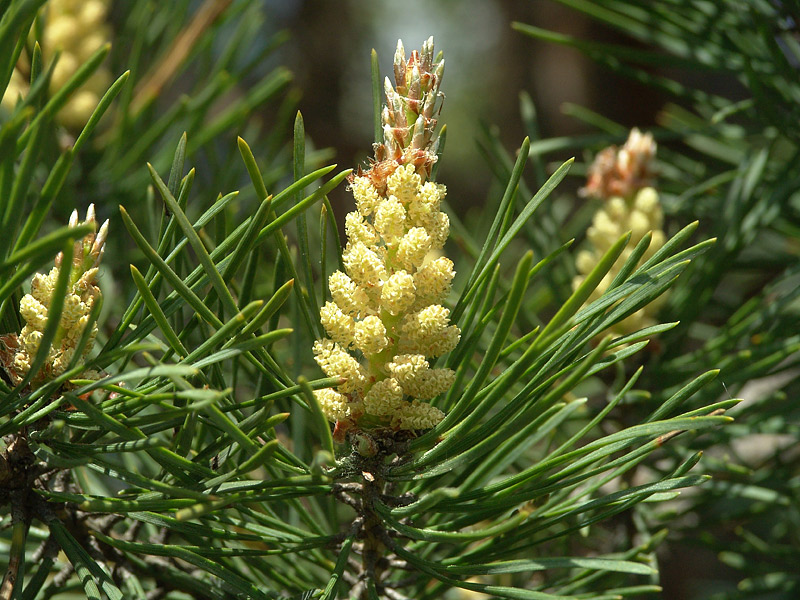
17, 352
386, 319
623, 179
73, 30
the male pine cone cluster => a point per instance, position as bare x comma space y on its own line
623, 179
386, 307
76, 29
17, 353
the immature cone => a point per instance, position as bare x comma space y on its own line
76, 29
622, 171
386, 305
17, 352
623, 179
408, 116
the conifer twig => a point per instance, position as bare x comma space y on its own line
182, 45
